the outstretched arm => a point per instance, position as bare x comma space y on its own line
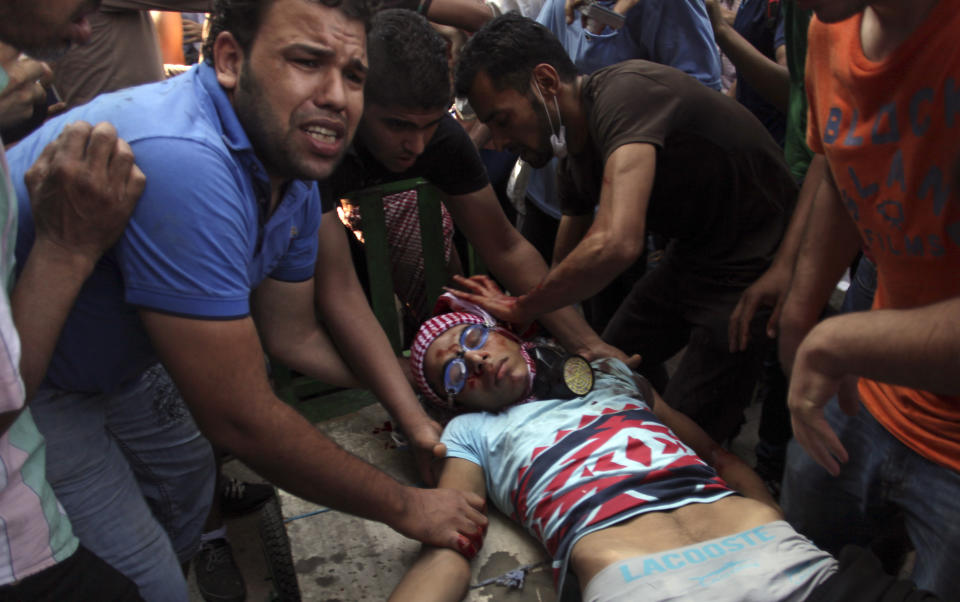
571, 231
443, 574
917, 348
613, 242
518, 265
470, 15
771, 288
218, 367
349, 348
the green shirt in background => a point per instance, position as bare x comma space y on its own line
796, 151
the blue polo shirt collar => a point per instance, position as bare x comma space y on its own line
232, 132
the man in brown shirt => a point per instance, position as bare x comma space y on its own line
640, 143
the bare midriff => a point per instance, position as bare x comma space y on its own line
661, 531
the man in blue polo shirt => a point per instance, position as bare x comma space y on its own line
219, 256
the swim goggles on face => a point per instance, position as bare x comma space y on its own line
455, 371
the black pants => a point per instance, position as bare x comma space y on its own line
671, 308
861, 578
83, 577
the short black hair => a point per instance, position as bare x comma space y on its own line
507, 49
242, 18
408, 62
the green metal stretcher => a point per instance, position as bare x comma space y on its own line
295, 388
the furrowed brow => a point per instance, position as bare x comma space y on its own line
358, 65
320, 52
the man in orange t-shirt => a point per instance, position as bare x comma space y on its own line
883, 81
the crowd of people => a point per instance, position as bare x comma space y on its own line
166, 230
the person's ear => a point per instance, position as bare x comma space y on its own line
547, 78
228, 60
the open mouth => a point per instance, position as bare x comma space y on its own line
322, 134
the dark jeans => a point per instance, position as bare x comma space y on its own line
82, 577
134, 475
775, 431
882, 479
863, 285
861, 578
670, 308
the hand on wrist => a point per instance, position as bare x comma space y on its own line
73, 260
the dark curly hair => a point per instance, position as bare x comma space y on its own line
242, 19
408, 62
507, 49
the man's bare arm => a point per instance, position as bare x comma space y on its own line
218, 367
614, 240
190, 6
829, 244
771, 288
283, 313
571, 231
343, 308
770, 78
83, 188
442, 574
917, 348
349, 348
470, 15
520, 267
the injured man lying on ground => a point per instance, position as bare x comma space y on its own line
629, 495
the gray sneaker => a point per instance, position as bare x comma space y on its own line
218, 577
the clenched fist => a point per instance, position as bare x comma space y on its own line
83, 188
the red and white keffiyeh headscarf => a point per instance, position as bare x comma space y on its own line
437, 325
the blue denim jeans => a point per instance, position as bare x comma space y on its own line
863, 286
134, 475
881, 477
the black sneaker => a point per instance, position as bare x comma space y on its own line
238, 497
218, 577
